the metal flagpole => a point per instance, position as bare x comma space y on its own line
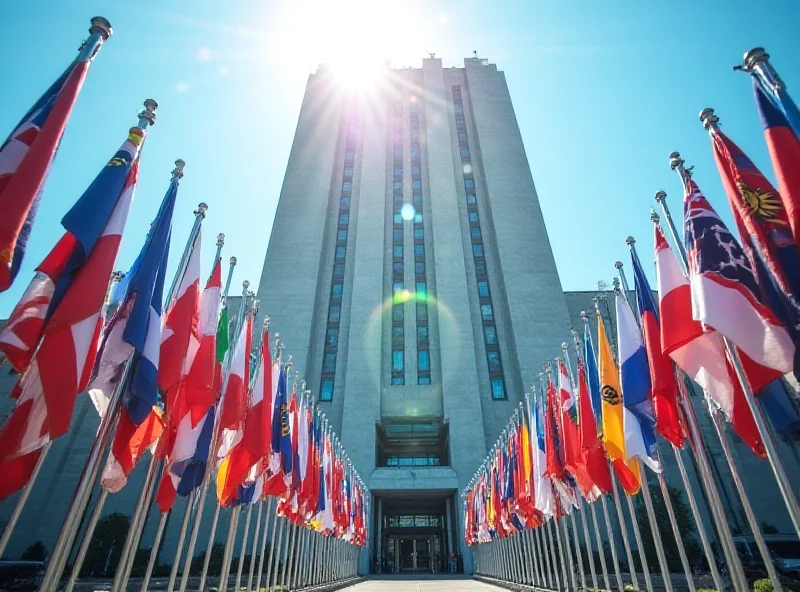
162, 523
139, 516
301, 556
255, 545
179, 549
612, 544
601, 551
563, 540
61, 549
588, 543
270, 510
637, 533
230, 542
710, 123
623, 528
99, 32
243, 551
656, 535
557, 573
715, 503
272, 574
76, 568
211, 541
578, 553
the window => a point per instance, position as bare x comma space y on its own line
422, 311
419, 250
471, 199
480, 269
398, 337
483, 289
459, 108
415, 151
419, 233
423, 379
490, 335
397, 268
415, 170
473, 216
397, 235
418, 218
475, 233
341, 252
416, 184
487, 314
344, 219
419, 267
397, 287
326, 392
341, 235
397, 200
338, 270
417, 200
333, 313
344, 202
397, 185
397, 313
398, 360
329, 363
349, 156
421, 289
469, 183
398, 381
397, 251
336, 290
332, 337
464, 152
424, 361
348, 171
422, 336
493, 359
398, 153
498, 389
462, 135
398, 171
477, 250
397, 218
347, 186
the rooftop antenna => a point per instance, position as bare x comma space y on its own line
431, 54
475, 53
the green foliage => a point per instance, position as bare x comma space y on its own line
106, 546
686, 526
140, 561
215, 561
707, 590
763, 586
35, 552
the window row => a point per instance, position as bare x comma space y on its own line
398, 360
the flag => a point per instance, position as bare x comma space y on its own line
697, 351
662, 375
222, 345
25, 160
784, 150
613, 412
725, 294
594, 456
281, 428
542, 488
574, 460
234, 400
638, 417
199, 382
592, 375
61, 366
766, 235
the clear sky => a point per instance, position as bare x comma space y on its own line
603, 92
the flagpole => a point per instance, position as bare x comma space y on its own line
624, 531
243, 551
179, 549
84, 547
756, 62
251, 571
66, 537
162, 523
207, 475
264, 544
710, 123
728, 546
139, 517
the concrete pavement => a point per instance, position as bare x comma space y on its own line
421, 584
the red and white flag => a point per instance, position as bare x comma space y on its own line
234, 402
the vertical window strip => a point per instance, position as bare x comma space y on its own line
420, 246
397, 278
488, 318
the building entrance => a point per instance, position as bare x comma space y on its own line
414, 554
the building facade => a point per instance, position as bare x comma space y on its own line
411, 236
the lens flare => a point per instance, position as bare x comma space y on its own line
407, 212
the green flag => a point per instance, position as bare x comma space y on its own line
222, 335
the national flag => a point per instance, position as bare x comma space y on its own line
61, 366
25, 160
697, 351
766, 234
281, 428
129, 444
594, 456
784, 149
222, 345
613, 412
199, 382
234, 399
662, 374
542, 487
574, 461
638, 417
592, 375
726, 296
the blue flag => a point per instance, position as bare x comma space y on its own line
592, 375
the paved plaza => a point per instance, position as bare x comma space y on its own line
421, 584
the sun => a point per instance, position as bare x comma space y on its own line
358, 74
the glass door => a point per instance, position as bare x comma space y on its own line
422, 552
407, 555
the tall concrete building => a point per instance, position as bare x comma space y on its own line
418, 292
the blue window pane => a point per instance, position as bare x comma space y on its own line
344, 202
397, 287
336, 291
326, 391
398, 360
415, 151
348, 171
329, 364
423, 361
419, 250
398, 171
397, 269
471, 199
347, 186
397, 185
333, 314
493, 360
464, 152
426, 380
341, 235
422, 335
397, 251
459, 107
397, 235
349, 156
332, 337
498, 389
397, 313
416, 184
418, 218
415, 170
473, 216
475, 233
398, 381
477, 250
418, 233
344, 219
469, 184
422, 311
338, 270
483, 289
341, 252
421, 289
487, 314
397, 219
490, 335
419, 268
417, 198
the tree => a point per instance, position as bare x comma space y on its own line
35, 552
214, 562
686, 527
106, 546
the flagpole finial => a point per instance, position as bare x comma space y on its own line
266, 322
654, 217
220, 239
101, 25
618, 265
148, 114
675, 161
201, 210
615, 281
751, 58
245, 285
177, 172
564, 345
662, 195
584, 315
630, 241
709, 119
233, 261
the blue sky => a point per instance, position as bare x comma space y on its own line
603, 92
